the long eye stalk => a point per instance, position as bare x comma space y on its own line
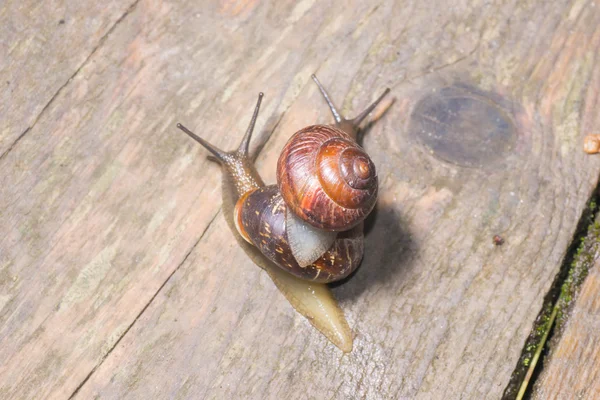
350, 126
242, 150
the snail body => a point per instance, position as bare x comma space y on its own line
245, 198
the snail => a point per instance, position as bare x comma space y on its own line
326, 184
299, 255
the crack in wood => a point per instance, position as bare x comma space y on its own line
13, 144
139, 315
256, 153
60, 89
525, 375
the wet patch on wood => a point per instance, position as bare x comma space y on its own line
465, 126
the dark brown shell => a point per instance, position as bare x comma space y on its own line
261, 219
326, 178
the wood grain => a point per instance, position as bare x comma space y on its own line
42, 45
572, 368
119, 276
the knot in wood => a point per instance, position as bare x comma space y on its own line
463, 126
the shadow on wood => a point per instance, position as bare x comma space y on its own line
388, 249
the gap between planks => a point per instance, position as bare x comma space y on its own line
524, 377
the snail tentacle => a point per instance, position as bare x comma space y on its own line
242, 150
219, 155
359, 118
350, 126
336, 114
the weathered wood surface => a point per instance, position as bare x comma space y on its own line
119, 277
572, 370
42, 45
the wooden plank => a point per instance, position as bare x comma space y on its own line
91, 226
445, 313
571, 371
103, 202
42, 44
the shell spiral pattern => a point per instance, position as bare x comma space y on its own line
326, 178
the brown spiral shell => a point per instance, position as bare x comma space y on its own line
261, 219
326, 178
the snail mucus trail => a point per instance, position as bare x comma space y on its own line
300, 250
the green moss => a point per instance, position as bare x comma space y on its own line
559, 301
593, 206
583, 260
